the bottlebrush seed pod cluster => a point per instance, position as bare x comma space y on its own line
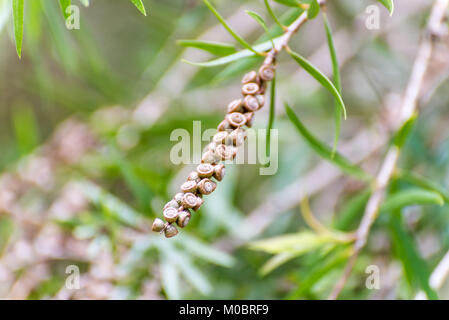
231, 134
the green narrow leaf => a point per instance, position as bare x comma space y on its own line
85, 2
389, 4
276, 261
423, 182
337, 79
352, 211
139, 5
271, 13
290, 3
411, 197
313, 10
324, 151
228, 28
17, 10
260, 21
64, 4
403, 132
320, 77
264, 46
271, 116
217, 48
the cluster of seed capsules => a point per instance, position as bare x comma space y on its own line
231, 134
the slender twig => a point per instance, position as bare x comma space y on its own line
408, 110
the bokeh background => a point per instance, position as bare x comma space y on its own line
85, 123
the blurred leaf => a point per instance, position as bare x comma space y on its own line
298, 243
6, 231
336, 74
271, 13
64, 4
264, 46
170, 279
290, 3
352, 210
389, 4
415, 267
411, 197
25, 129
401, 135
217, 48
17, 10
85, 2
260, 21
324, 151
278, 260
320, 77
313, 10
423, 182
271, 117
228, 28
139, 5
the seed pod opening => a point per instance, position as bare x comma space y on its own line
193, 176
236, 119
189, 201
210, 157
266, 72
238, 136
205, 170
226, 152
235, 106
171, 203
158, 225
170, 214
188, 186
249, 77
220, 137
198, 203
224, 125
250, 88
178, 197
183, 219
206, 186
251, 103
219, 172
170, 231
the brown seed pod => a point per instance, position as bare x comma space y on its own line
249, 77
251, 103
260, 99
170, 214
238, 136
158, 225
220, 138
250, 88
188, 186
198, 203
236, 119
184, 218
170, 231
224, 125
266, 72
206, 186
178, 197
189, 200
219, 172
205, 170
171, 203
193, 176
235, 106
226, 152
263, 88
249, 119
210, 157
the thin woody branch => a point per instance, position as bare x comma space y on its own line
407, 112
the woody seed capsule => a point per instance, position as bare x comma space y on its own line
251, 103
210, 157
171, 203
178, 197
235, 105
219, 172
224, 125
238, 136
170, 214
226, 152
205, 170
158, 225
249, 77
189, 200
249, 119
220, 137
236, 119
266, 72
250, 88
170, 231
188, 186
183, 219
198, 203
260, 99
193, 176
206, 186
